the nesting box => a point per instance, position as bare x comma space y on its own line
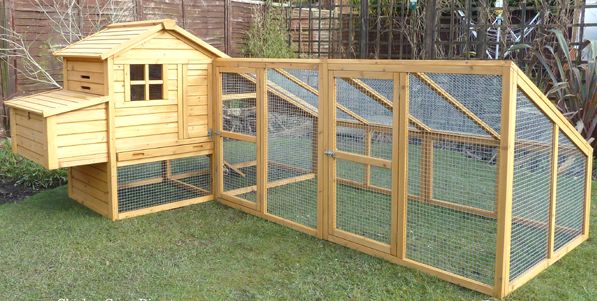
134, 93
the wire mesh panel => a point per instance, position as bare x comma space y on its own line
162, 182
531, 190
452, 174
450, 213
363, 190
238, 103
292, 146
239, 115
570, 193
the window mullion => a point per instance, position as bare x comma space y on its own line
146, 78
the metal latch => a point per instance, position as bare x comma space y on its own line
330, 153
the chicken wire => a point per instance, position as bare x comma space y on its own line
292, 150
363, 192
531, 187
238, 106
570, 192
156, 183
459, 173
240, 168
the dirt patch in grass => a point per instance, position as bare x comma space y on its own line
11, 192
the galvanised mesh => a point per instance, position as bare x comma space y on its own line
359, 210
355, 98
292, 155
451, 240
433, 110
465, 173
277, 79
531, 190
481, 94
239, 170
445, 173
570, 193
363, 197
156, 183
238, 112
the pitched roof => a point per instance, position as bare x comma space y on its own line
121, 36
55, 102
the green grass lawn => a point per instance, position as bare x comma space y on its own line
52, 248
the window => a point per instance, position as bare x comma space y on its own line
146, 82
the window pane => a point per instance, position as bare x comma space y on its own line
137, 72
155, 91
155, 72
137, 92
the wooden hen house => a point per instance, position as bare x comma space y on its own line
135, 94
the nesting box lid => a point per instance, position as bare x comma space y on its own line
55, 102
119, 37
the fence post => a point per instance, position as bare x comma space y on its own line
505, 182
430, 19
364, 37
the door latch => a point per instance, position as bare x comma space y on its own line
330, 153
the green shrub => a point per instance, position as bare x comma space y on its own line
268, 36
24, 172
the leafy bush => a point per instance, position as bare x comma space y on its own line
24, 172
268, 35
571, 85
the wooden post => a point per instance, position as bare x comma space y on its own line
323, 119
587, 217
218, 155
505, 182
262, 127
331, 145
111, 168
400, 165
427, 168
553, 191
367, 142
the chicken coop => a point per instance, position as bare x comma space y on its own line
461, 169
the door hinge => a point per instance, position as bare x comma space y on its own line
330, 153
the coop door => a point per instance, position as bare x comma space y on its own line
195, 100
362, 149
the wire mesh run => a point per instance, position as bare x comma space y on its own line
531, 187
570, 193
238, 99
292, 147
162, 182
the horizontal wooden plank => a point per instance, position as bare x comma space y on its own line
197, 110
82, 138
89, 171
164, 151
363, 159
130, 111
86, 87
81, 127
86, 76
146, 130
87, 189
29, 133
36, 125
83, 160
31, 155
82, 150
86, 66
82, 116
157, 118
99, 185
33, 145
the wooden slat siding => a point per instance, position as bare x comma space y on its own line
76, 69
195, 100
29, 131
88, 185
81, 136
505, 183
